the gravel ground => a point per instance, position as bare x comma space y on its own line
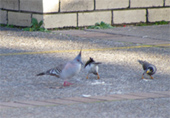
120, 73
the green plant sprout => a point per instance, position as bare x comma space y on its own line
35, 26
101, 25
155, 23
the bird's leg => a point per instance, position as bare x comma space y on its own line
151, 77
98, 77
67, 83
87, 76
142, 77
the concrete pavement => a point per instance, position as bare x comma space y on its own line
119, 93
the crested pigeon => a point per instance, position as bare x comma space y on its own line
66, 70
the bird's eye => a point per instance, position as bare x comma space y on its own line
78, 60
151, 69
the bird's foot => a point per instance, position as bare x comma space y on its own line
67, 83
98, 77
87, 77
151, 77
142, 77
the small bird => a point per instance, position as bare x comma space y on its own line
67, 70
148, 68
92, 67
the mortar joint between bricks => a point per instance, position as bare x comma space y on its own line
59, 6
77, 19
112, 17
164, 3
19, 5
129, 4
7, 16
147, 15
94, 5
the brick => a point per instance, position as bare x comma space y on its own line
147, 95
31, 5
94, 35
50, 6
166, 93
3, 18
129, 16
83, 99
13, 104
59, 20
42, 6
9, 4
111, 4
167, 2
146, 3
39, 17
159, 14
76, 5
126, 97
62, 101
105, 98
36, 103
19, 19
90, 18
86, 34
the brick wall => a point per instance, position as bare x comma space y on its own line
76, 13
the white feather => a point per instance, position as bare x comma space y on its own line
92, 68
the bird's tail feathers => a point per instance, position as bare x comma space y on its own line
40, 74
141, 62
97, 63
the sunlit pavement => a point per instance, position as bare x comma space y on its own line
119, 93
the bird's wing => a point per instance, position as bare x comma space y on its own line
55, 71
68, 65
141, 62
145, 64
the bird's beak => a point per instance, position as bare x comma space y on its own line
147, 71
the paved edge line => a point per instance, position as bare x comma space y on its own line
96, 49
79, 100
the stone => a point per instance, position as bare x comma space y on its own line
76, 5
111, 4
129, 16
159, 14
57, 20
9, 4
146, 3
19, 19
167, 2
41, 6
3, 18
90, 18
